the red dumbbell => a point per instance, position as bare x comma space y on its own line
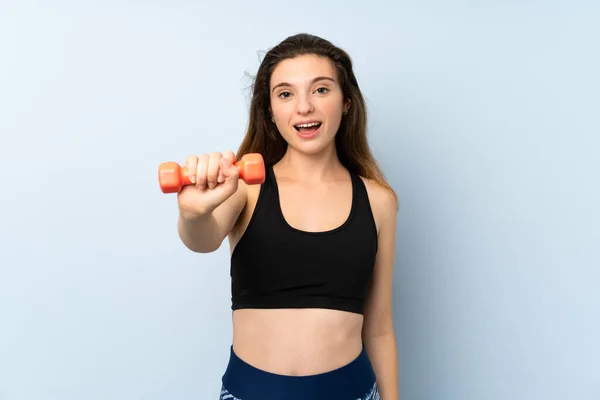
172, 177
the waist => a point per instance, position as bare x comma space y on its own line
297, 342
356, 379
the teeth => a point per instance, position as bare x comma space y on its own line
308, 125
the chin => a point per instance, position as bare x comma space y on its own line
313, 147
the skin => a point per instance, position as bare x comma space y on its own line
315, 195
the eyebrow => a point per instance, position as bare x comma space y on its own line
319, 78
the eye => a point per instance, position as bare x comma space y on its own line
322, 90
281, 95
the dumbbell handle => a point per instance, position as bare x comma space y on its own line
172, 177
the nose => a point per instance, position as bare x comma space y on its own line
305, 105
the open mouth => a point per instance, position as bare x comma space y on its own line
308, 128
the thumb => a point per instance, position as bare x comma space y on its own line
230, 171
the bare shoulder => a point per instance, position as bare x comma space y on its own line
383, 202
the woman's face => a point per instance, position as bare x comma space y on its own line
306, 102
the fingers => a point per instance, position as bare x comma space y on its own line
226, 165
230, 155
191, 163
208, 170
212, 170
201, 171
229, 170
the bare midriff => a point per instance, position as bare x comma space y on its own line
296, 342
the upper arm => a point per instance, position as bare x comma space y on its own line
378, 311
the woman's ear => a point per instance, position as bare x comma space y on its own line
347, 106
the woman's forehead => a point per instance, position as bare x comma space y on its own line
302, 70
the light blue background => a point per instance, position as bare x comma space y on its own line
484, 114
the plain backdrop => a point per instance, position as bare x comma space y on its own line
485, 116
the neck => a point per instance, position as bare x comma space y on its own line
324, 165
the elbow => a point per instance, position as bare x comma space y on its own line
382, 327
202, 247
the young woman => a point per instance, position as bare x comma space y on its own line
312, 248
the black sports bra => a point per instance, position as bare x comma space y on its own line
275, 265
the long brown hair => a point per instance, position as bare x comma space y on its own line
351, 142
